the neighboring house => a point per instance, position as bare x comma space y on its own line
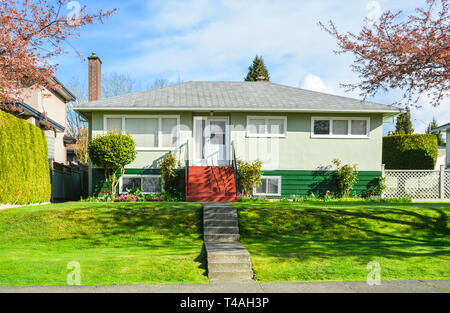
296, 133
54, 104
445, 128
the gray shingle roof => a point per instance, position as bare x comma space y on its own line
233, 96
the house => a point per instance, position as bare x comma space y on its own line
53, 103
296, 133
445, 128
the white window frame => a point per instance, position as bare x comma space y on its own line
349, 119
269, 194
141, 176
266, 126
159, 117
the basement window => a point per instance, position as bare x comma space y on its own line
270, 186
148, 184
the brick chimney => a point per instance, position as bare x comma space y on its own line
95, 78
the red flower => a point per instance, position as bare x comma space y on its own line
106, 191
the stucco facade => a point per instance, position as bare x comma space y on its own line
297, 151
39, 101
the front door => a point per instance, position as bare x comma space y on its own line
211, 141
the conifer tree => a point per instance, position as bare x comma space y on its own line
433, 124
404, 124
256, 70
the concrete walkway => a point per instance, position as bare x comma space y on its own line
396, 286
227, 259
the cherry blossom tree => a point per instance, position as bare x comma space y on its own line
32, 33
411, 54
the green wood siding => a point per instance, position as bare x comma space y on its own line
303, 183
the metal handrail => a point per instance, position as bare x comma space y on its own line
186, 170
235, 167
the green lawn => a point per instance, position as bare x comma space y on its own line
115, 243
321, 241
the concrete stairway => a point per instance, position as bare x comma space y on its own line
227, 259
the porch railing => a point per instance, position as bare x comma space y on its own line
186, 170
234, 165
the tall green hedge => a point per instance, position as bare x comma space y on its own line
410, 152
24, 168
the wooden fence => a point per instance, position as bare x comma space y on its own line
69, 182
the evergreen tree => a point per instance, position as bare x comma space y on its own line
256, 70
404, 124
433, 124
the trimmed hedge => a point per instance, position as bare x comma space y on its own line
24, 167
410, 152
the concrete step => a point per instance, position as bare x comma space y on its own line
230, 275
219, 216
232, 222
219, 209
222, 238
215, 230
229, 265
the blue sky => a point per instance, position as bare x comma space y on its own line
206, 40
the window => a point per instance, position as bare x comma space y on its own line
270, 186
149, 132
260, 126
340, 127
146, 183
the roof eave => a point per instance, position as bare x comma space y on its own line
93, 108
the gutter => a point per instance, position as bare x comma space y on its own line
86, 108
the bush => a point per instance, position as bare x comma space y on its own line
24, 167
112, 152
249, 176
346, 177
410, 152
169, 173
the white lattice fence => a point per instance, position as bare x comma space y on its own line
413, 184
447, 184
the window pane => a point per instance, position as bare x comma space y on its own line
114, 124
151, 184
131, 183
340, 127
276, 126
143, 130
257, 126
262, 189
321, 127
272, 185
359, 127
169, 132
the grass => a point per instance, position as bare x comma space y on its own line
115, 243
315, 241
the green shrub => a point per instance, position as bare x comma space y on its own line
112, 152
169, 173
249, 175
346, 177
24, 167
410, 152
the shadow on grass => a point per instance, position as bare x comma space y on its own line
306, 231
176, 227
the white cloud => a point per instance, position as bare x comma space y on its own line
315, 83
